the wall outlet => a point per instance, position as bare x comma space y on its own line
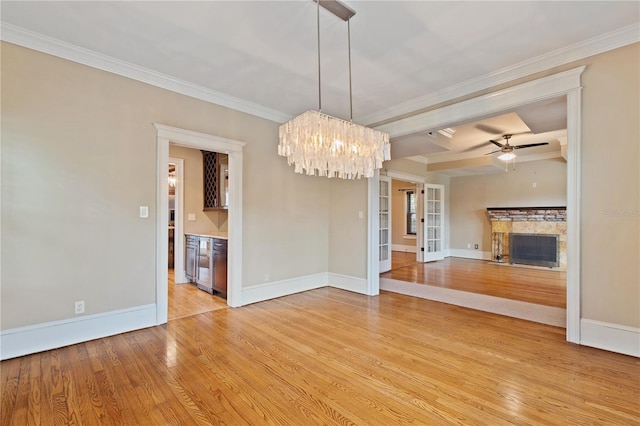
469, 245
475, 247
266, 278
79, 307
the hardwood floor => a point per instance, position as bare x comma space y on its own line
331, 357
187, 299
534, 285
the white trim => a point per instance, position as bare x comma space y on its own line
178, 231
602, 43
562, 84
373, 235
346, 282
275, 289
574, 258
406, 177
492, 103
610, 337
470, 254
404, 248
61, 49
55, 334
512, 308
191, 139
162, 230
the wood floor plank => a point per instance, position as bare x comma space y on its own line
327, 357
187, 299
542, 286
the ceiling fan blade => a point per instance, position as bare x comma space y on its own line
489, 129
493, 152
475, 147
496, 143
529, 145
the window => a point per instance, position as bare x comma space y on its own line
410, 208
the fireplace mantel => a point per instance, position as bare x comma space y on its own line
528, 214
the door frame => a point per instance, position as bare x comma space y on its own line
197, 140
419, 181
566, 83
178, 228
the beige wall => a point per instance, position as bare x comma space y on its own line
79, 158
210, 221
347, 231
611, 187
470, 196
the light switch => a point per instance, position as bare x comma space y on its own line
360, 214
144, 212
191, 216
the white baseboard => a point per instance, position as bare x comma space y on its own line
272, 290
55, 334
405, 248
346, 282
481, 302
470, 254
610, 337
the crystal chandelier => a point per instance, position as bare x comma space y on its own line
323, 145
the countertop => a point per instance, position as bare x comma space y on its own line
216, 235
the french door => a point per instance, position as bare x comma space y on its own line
433, 222
385, 224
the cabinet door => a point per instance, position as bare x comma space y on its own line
433, 222
220, 266
210, 184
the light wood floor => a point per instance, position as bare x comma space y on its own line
534, 285
330, 357
187, 299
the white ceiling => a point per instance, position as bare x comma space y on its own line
406, 55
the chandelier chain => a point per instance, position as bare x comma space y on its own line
319, 69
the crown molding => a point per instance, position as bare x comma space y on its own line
605, 42
32, 40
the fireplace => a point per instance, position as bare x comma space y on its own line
534, 249
547, 223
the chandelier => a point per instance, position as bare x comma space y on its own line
322, 145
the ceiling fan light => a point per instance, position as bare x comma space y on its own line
507, 156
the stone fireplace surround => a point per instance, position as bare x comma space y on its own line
527, 220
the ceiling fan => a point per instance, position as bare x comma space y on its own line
506, 149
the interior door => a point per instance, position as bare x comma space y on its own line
385, 224
433, 222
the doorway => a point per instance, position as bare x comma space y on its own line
567, 84
191, 139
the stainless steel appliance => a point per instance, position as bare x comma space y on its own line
220, 266
205, 259
191, 257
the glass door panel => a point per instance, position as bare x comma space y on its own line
434, 208
385, 224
